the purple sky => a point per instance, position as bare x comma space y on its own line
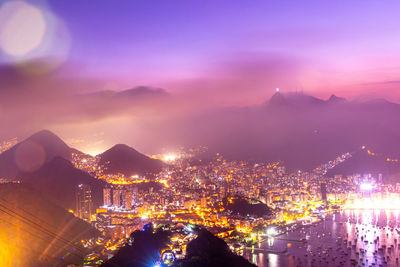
321, 47
206, 53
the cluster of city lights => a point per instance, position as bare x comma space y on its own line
375, 203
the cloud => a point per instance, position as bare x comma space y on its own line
243, 78
147, 117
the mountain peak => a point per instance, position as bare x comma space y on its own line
31, 153
122, 148
334, 99
277, 99
124, 159
53, 144
44, 133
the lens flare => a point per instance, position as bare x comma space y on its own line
29, 32
22, 28
30, 156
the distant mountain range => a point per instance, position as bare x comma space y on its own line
129, 96
301, 130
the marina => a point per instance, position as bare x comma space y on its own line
346, 238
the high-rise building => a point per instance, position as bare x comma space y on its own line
107, 197
84, 202
128, 199
323, 191
203, 202
117, 193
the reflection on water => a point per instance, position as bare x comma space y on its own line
348, 238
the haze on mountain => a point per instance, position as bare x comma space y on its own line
300, 130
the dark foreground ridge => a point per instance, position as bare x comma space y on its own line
144, 247
36, 232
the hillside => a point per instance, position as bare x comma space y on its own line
31, 153
36, 232
126, 160
363, 162
58, 180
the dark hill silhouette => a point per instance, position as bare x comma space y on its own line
30, 154
206, 250
126, 160
58, 180
303, 100
277, 100
38, 232
244, 208
363, 163
294, 100
209, 250
143, 251
333, 99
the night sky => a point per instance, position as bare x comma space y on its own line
205, 54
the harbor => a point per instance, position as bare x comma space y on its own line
346, 238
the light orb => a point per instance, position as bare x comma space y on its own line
22, 28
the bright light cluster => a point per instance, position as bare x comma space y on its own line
366, 186
271, 231
385, 203
170, 157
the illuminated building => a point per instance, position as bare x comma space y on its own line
84, 202
281, 170
117, 193
323, 191
107, 197
203, 202
128, 199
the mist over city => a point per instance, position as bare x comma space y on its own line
199, 133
